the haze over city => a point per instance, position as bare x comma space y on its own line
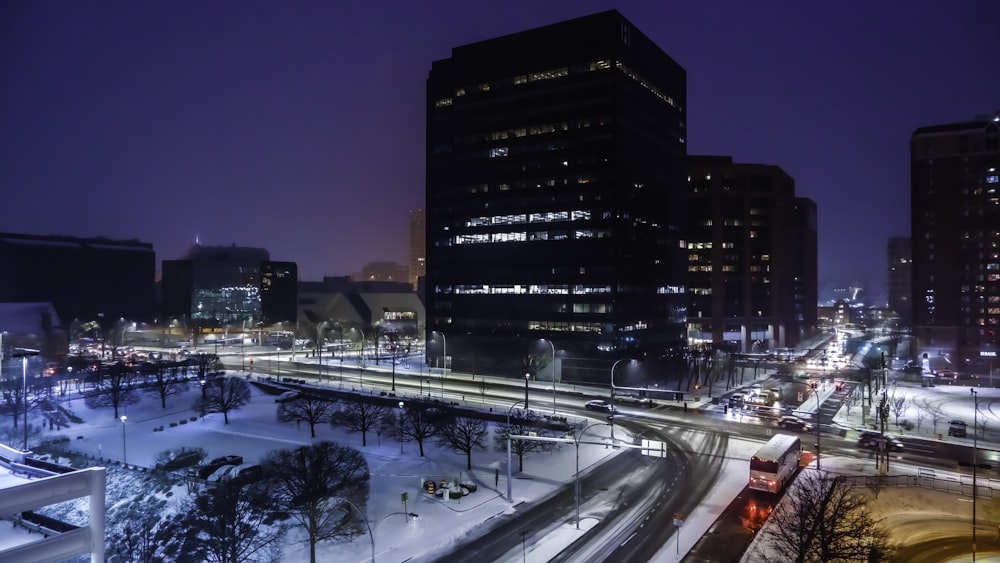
300, 129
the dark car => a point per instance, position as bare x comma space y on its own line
958, 428
794, 423
205, 470
872, 440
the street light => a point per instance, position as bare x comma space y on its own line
123, 419
401, 427
527, 377
553, 373
975, 462
576, 484
510, 497
444, 353
203, 398
613, 366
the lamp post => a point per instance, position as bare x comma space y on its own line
24, 397
576, 483
510, 497
553, 373
124, 458
203, 398
527, 377
444, 353
975, 462
613, 366
401, 427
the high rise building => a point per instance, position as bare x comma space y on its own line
955, 222
555, 199
899, 284
418, 246
752, 279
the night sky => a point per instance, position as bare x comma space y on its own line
299, 126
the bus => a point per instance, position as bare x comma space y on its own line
774, 464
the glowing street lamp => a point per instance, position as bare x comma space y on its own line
123, 419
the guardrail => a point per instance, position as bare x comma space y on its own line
928, 479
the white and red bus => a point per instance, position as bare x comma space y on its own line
775, 463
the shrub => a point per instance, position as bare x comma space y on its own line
193, 418
184, 421
173, 424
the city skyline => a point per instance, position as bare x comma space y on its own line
301, 129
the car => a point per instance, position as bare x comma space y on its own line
958, 428
794, 423
634, 399
205, 470
221, 474
872, 439
598, 405
287, 396
737, 400
245, 474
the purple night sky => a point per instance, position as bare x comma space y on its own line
299, 126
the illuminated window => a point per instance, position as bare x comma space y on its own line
499, 152
443, 102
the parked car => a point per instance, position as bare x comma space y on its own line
957, 428
245, 474
871, 439
794, 423
205, 470
287, 396
221, 473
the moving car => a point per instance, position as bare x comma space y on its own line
957, 428
794, 423
633, 398
871, 439
598, 405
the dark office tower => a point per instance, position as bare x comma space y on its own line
955, 219
751, 256
85, 279
899, 280
555, 185
279, 282
418, 246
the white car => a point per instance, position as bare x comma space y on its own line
221, 473
287, 396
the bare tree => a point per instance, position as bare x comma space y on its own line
360, 417
115, 388
17, 398
921, 417
899, 406
232, 524
420, 423
823, 518
222, 395
462, 434
310, 480
165, 381
309, 409
522, 422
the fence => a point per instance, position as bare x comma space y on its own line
928, 479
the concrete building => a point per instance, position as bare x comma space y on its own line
955, 222
88, 279
418, 246
752, 279
555, 199
214, 286
899, 279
